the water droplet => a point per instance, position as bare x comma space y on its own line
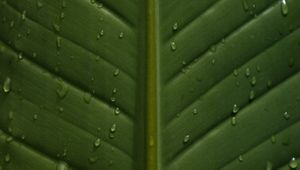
235, 72
35, 117
235, 109
112, 99
7, 158
10, 115
113, 128
39, 4
62, 89
195, 111
269, 166
121, 35
20, 56
186, 139
175, 26
7, 85
284, 8
247, 72
100, 5
173, 46
61, 109
253, 81
293, 164
116, 72
258, 68
286, 115
58, 42
251, 95
87, 97
246, 5
233, 121
62, 15
9, 139
97, 143
12, 24
117, 111
62, 166
93, 159
269, 83
63, 4
213, 48
213, 61
241, 159
56, 27
101, 32
273, 139
92, 1
23, 16
114, 91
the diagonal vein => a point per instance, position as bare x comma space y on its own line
210, 130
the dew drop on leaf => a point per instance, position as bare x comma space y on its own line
9, 139
235, 109
7, 85
62, 166
56, 27
186, 139
235, 72
173, 46
93, 159
175, 26
97, 143
291, 62
241, 159
113, 128
251, 95
273, 139
12, 24
121, 35
39, 4
10, 115
23, 16
116, 72
233, 121
7, 158
253, 81
117, 111
58, 42
247, 72
293, 164
284, 8
35, 116
245, 5
286, 115
87, 97
195, 111
62, 89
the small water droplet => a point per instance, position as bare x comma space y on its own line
92, 1
213, 48
7, 158
235, 109
35, 116
253, 81
293, 164
116, 72
195, 111
247, 72
269, 83
251, 95
62, 15
23, 16
246, 5
284, 8
101, 32
117, 111
269, 166
39, 4
97, 143
258, 68
233, 121
62, 89
58, 42
114, 91
121, 35
87, 97
175, 26
241, 159
273, 139
56, 27
7, 85
9, 139
93, 159
213, 61
186, 139
286, 115
113, 128
291, 62
173, 46
63, 4
12, 24
62, 166
235, 72
61, 109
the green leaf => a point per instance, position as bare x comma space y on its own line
165, 84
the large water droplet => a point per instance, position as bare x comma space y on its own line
97, 143
293, 164
286, 115
7, 85
186, 139
175, 26
284, 8
173, 46
235, 109
62, 89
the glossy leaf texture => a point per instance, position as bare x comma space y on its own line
74, 76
